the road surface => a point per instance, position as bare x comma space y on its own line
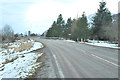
75, 60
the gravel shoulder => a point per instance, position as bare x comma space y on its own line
48, 68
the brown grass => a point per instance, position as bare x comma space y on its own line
7, 61
23, 47
4, 46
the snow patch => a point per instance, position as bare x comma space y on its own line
21, 67
69, 40
102, 43
19, 64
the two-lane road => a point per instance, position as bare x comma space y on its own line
74, 60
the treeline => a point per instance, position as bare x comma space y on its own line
103, 27
59, 28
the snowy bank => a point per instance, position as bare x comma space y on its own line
69, 40
102, 44
22, 67
16, 62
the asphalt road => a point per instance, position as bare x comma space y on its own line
75, 60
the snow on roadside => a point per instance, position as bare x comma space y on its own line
98, 43
22, 67
19, 64
102, 44
36, 46
69, 40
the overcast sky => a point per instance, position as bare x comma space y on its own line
38, 15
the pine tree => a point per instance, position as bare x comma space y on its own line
60, 25
57, 28
102, 18
67, 29
54, 30
49, 33
82, 29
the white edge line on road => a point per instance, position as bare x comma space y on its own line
59, 69
105, 60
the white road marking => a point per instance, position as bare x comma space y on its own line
59, 69
105, 60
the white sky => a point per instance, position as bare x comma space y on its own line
38, 15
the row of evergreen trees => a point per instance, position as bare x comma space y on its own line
59, 28
79, 28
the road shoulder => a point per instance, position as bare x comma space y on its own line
48, 69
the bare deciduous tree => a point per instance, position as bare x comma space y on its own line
73, 27
111, 31
8, 33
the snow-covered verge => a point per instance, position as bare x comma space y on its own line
99, 43
16, 62
69, 40
102, 44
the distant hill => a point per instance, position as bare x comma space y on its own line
44, 33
